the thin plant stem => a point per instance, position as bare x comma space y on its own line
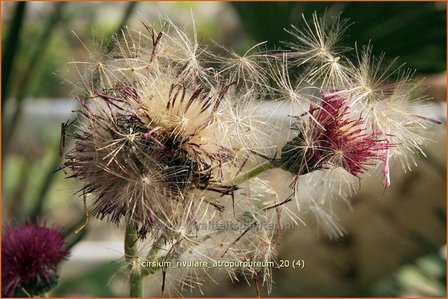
254, 172
26, 80
49, 178
131, 237
46, 185
130, 250
136, 284
152, 255
11, 48
71, 238
15, 209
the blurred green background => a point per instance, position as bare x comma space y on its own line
38, 40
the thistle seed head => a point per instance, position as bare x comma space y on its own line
166, 126
137, 154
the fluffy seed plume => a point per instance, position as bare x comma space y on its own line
172, 136
315, 47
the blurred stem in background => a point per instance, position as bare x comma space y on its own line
130, 9
45, 187
10, 52
50, 175
14, 209
25, 81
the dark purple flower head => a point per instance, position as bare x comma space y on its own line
30, 256
330, 138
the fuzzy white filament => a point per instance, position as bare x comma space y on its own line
172, 135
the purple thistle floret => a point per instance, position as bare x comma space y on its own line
30, 256
333, 140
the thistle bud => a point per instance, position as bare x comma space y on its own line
329, 139
30, 256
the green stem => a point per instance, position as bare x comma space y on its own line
153, 255
11, 49
136, 284
254, 172
24, 83
131, 238
124, 20
130, 249
45, 187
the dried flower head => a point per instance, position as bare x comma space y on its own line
172, 136
30, 256
159, 142
140, 151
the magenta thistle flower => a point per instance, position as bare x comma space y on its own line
332, 139
30, 256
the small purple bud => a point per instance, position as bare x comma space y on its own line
30, 256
